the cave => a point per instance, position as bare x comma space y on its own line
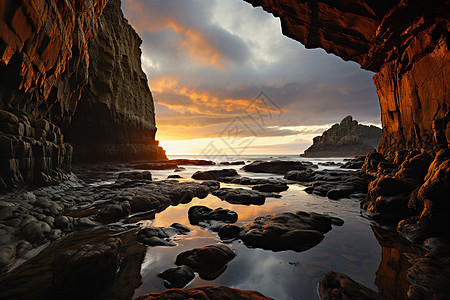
72, 89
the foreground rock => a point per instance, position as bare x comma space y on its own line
164, 165
87, 266
254, 181
276, 166
29, 220
206, 293
429, 204
413, 195
240, 196
429, 278
287, 231
215, 174
270, 188
161, 236
136, 175
334, 184
177, 277
346, 139
209, 261
335, 285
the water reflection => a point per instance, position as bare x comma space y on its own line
353, 249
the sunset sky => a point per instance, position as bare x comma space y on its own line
225, 79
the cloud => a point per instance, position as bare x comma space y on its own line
182, 29
207, 60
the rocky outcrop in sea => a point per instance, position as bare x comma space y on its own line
346, 139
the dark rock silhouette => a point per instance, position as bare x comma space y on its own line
116, 117
346, 139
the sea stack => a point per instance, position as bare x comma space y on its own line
346, 139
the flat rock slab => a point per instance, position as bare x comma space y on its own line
214, 174
146, 175
298, 231
277, 166
240, 196
156, 166
87, 266
255, 181
270, 188
209, 261
335, 285
206, 293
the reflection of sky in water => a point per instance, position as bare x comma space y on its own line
351, 249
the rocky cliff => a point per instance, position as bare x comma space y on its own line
64, 66
405, 42
116, 117
346, 139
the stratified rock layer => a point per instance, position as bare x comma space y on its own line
32, 151
347, 139
62, 63
116, 117
406, 42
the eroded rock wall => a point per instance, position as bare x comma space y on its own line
115, 119
61, 64
405, 42
44, 63
44, 58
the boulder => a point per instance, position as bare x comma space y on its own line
335, 285
214, 174
298, 231
87, 266
276, 166
200, 213
146, 175
205, 293
160, 236
240, 196
209, 261
177, 277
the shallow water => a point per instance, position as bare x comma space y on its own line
351, 249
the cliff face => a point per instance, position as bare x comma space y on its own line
116, 118
62, 66
44, 64
405, 42
347, 139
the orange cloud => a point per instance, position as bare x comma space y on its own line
203, 102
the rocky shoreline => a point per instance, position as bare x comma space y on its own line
397, 194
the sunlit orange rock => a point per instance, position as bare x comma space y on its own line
205, 293
405, 42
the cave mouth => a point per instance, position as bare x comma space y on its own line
211, 72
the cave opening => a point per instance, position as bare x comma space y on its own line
214, 67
